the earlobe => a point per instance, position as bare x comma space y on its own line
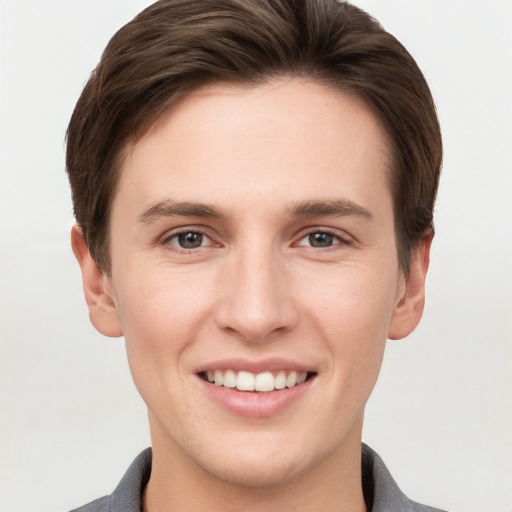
98, 292
409, 307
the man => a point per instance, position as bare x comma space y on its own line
253, 184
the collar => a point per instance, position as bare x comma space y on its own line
381, 493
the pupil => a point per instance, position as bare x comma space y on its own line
190, 240
321, 239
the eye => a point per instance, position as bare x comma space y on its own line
188, 240
321, 240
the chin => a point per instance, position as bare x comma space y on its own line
257, 472
262, 459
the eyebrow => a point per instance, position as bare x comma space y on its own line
171, 208
312, 208
334, 207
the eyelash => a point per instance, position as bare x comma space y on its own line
339, 238
168, 239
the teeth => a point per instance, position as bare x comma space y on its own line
301, 377
218, 377
245, 381
291, 380
280, 380
263, 382
229, 379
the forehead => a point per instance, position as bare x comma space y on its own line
278, 136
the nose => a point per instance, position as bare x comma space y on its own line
256, 302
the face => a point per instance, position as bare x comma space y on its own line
255, 277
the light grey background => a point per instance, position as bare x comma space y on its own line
441, 415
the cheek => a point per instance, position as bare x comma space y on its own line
354, 314
160, 316
358, 301
157, 305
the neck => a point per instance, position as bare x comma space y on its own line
178, 483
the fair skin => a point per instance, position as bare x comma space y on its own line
252, 231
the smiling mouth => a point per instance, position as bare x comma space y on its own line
264, 382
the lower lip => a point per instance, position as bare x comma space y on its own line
255, 405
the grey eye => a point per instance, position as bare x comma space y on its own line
190, 240
320, 239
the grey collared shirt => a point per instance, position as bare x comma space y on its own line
381, 493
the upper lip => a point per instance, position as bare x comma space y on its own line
254, 366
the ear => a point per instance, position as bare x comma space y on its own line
411, 300
97, 288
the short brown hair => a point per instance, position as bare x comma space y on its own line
175, 46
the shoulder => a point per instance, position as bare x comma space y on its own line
99, 505
127, 497
381, 492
